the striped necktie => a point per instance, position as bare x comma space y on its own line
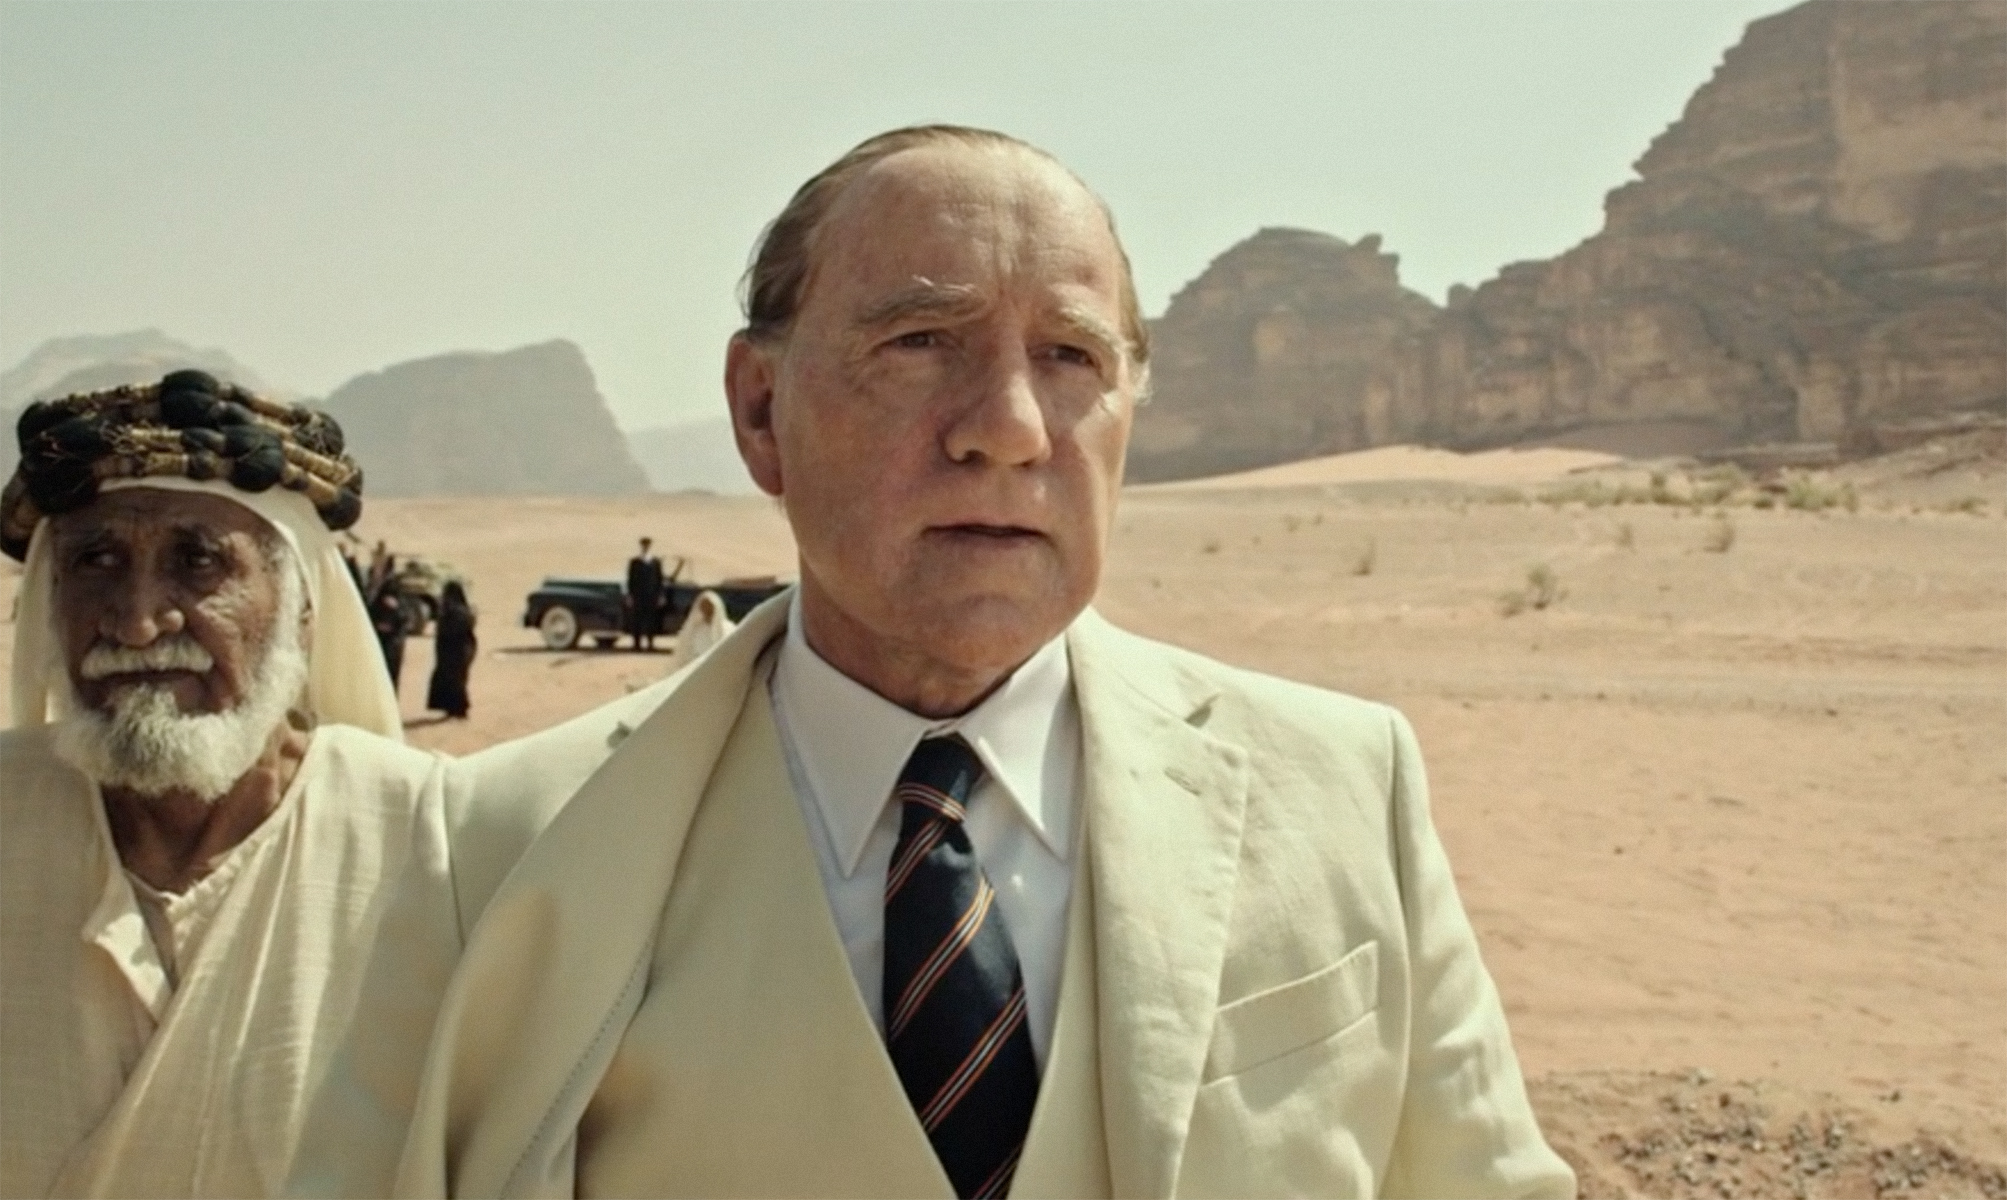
954, 998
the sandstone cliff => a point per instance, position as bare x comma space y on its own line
1818, 247
520, 422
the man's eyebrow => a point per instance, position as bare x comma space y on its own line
199, 535
921, 298
1093, 326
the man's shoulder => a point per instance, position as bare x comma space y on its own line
577, 745
529, 778
362, 752
1226, 693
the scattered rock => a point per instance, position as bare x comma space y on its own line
1683, 1136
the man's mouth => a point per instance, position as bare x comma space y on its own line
978, 529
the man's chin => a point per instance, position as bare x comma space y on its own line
142, 741
989, 632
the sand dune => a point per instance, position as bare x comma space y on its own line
1507, 467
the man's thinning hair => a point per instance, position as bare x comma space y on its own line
771, 292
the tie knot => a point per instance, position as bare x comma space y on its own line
940, 775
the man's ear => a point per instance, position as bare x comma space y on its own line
750, 371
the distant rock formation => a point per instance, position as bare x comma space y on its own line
526, 421
1817, 248
90, 362
696, 456
1284, 348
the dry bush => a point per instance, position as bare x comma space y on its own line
1364, 560
1542, 590
1627, 538
1720, 535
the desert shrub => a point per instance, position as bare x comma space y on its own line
1211, 546
1543, 586
1627, 538
1808, 493
1291, 523
1720, 535
1716, 485
1363, 562
1542, 590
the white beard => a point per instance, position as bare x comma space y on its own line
148, 745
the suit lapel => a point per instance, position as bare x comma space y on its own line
1165, 802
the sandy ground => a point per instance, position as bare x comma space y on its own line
1731, 823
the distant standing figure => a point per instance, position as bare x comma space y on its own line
380, 566
704, 628
644, 596
386, 615
453, 644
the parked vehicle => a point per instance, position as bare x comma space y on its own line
420, 581
564, 610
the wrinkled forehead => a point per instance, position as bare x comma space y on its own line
956, 214
141, 514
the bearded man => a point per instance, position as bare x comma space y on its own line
928, 881
216, 855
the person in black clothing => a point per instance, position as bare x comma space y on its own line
453, 645
386, 615
644, 596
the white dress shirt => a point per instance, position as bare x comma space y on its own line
845, 746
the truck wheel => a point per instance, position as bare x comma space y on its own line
559, 627
419, 613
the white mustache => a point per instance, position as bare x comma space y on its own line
176, 652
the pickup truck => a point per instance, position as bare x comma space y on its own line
564, 610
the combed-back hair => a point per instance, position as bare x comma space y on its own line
771, 292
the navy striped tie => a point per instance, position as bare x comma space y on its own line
954, 998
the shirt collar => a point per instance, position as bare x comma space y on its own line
851, 743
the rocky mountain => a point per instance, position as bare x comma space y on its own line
1815, 251
524, 421
693, 456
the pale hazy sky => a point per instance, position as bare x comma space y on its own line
325, 188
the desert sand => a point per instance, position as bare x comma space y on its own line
1731, 821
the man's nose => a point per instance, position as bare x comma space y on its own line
144, 612
1003, 422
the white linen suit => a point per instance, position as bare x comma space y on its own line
1270, 986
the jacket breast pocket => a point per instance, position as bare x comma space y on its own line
1267, 1025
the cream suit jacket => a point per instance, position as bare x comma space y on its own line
1287, 999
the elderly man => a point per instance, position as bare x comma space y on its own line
215, 852
928, 881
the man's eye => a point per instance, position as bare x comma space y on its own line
919, 339
1074, 355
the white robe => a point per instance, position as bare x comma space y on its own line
347, 900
